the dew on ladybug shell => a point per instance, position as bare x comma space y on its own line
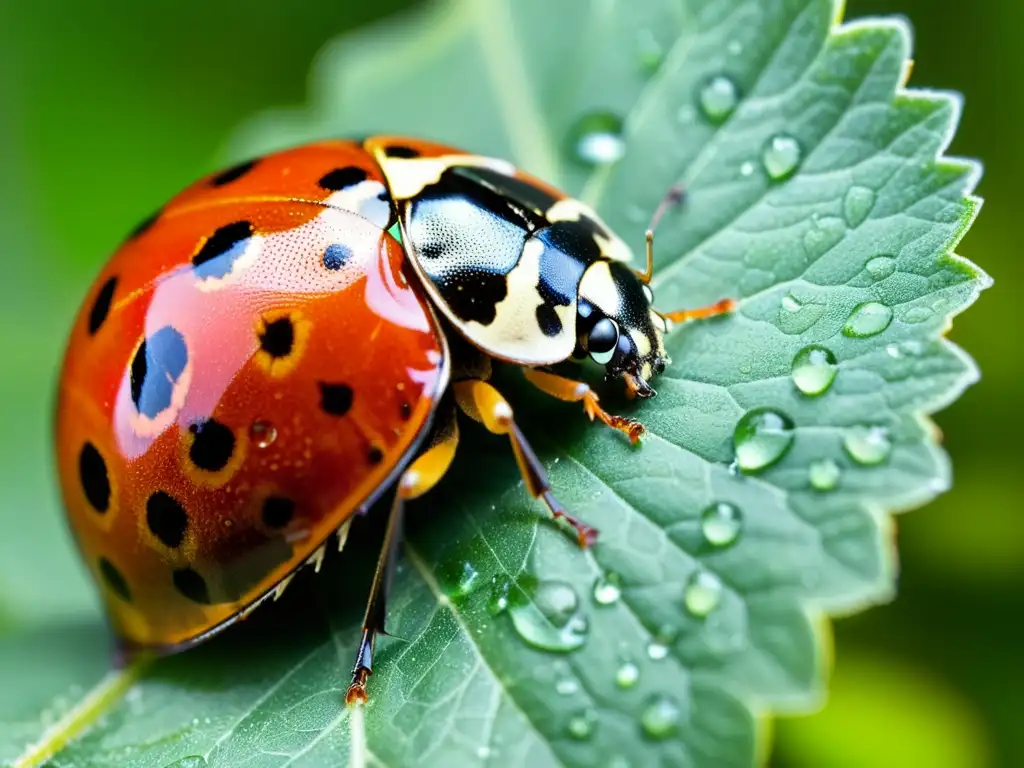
263, 434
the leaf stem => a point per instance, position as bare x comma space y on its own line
107, 692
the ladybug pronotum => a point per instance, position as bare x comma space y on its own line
287, 340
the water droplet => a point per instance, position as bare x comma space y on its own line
627, 674
660, 646
746, 168
868, 445
814, 370
483, 752
661, 716
857, 205
498, 602
718, 98
567, 686
263, 433
702, 593
596, 139
917, 314
867, 319
459, 578
721, 523
550, 620
650, 54
796, 316
762, 437
607, 590
781, 156
581, 726
735, 47
824, 475
880, 267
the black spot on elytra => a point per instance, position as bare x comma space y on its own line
336, 256
375, 455
234, 173
143, 226
277, 511
212, 445
166, 518
219, 252
92, 473
335, 399
401, 151
114, 580
339, 178
191, 585
474, 295
548, 320
155, 369
405, 410
101, 305
278, 338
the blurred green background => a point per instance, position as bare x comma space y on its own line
107, 109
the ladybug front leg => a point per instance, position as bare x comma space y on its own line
484, 403
573, 391
422, 475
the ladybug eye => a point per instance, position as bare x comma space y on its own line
648, 293
602, 340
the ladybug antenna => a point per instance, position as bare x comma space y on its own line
675, 196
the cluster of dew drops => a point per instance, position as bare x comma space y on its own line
548, 614
763, 436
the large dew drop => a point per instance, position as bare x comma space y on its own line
868, 445
596, 139
549, 619
702, 594
761, 438
814, 369
721, 523
627, 674
718, 98
781, 156
607, 590
661, 716
867, 319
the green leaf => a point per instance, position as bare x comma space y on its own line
818, 201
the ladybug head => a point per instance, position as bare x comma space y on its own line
618, 328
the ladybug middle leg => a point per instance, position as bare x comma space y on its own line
573, 391
422, 475
482, 402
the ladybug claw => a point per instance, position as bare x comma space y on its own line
357, 691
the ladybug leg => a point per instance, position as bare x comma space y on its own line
484, 403
700, 313
422, 475
573, 391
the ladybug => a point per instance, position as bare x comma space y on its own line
288, 339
